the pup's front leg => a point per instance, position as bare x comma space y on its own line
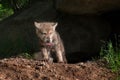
59, 55
45, 54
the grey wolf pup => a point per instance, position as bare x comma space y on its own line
51, 45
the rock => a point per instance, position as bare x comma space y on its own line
82, 35
17, 32
87, 6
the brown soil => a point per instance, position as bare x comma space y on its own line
24, 69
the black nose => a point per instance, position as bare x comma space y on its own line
48, 41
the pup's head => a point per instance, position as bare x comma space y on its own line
45, 32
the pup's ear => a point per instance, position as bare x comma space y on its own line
37, 25
55, 25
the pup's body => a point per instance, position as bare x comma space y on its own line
51, 44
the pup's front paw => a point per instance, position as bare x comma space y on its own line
61, 62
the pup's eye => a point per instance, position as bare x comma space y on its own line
50, 33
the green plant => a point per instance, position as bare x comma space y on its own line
5, 12
26, 55
111, 55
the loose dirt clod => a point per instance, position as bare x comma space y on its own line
24, 69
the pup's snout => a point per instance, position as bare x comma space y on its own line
48, 40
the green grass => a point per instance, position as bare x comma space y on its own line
26, 55
112, 56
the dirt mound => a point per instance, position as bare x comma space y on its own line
24, 69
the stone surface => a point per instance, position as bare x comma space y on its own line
87, 6
81, 35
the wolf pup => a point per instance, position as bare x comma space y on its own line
51, 45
